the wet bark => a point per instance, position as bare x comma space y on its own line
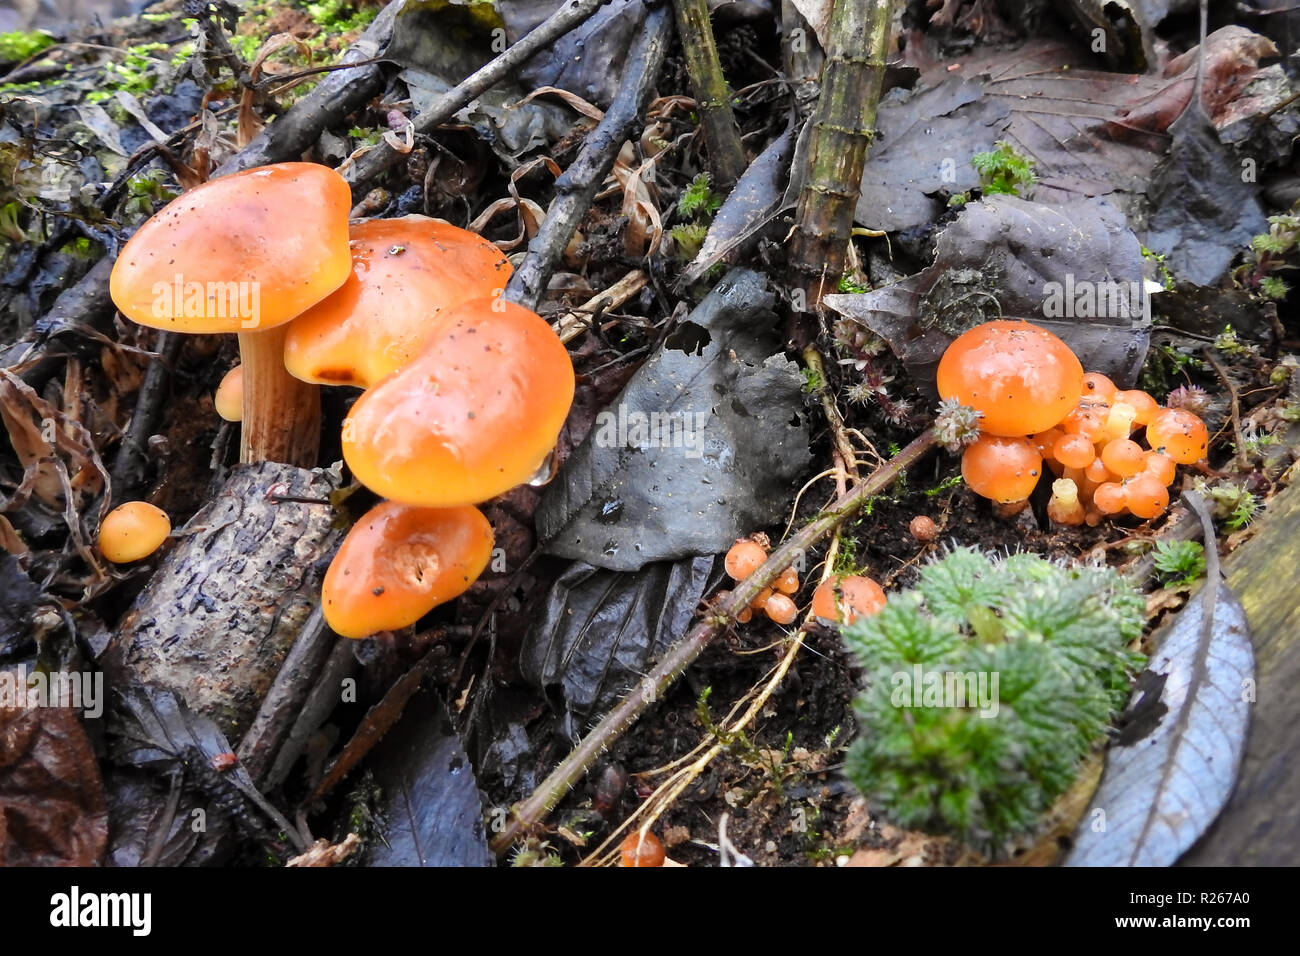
220, 613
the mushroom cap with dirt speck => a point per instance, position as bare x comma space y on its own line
1021, 377
133, 531
475, 414
406, 273
399, 562
245, 252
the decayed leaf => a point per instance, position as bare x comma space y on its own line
18, 596
52, 809
432, 814
1175, 761
600, 631
704, 444
1006, 256
324, 853
1088, 132
1203, 212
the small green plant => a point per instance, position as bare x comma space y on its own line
1269, 254
1166, 277
848, 284
18, 46
1229, 344
1179, 563
1003, 170
986, 687
697, 199
812, 380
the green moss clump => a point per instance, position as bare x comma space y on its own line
18, 46
986, 687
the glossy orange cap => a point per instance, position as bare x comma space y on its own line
405, 274
241, 253
400, 562
473, 415
1022, 377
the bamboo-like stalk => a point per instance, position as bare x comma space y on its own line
551, 791
725, 153
843, 125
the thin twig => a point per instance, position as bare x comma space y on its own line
368, 168
531, 811
1239, 454
725, 154
577, 186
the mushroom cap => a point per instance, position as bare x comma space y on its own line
244, 252
229, 397
1001, 469
132, 531
405, 273
1022, 377
399, 562
473, 415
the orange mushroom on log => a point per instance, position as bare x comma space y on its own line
399, 562
246, 253
406, 273
472, 416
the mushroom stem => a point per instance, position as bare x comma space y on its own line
281, 413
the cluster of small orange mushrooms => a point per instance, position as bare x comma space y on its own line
465, 393
840, 599
1038, 408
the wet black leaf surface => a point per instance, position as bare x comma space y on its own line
1204, 212
18, 593
432, 814
601, 631
723, 453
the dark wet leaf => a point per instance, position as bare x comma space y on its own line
432, 813
707, 442
600, 631
1088, 132
997, 259
1175, 762
18, 594
52, 809
152, 824
152, 727
581, 61
1203, 213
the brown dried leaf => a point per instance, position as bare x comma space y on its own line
52, 807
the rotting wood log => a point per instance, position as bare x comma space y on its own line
221, 612
1260, 826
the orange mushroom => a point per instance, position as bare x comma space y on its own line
1145, 496
1179, 434
1004, 470
400, 562
640, 849
473, 415
245, 254
405, 273
229, 398
1021, 377
843, 600
781, 609
744, 558
133, 531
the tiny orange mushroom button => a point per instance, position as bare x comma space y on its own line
399, 562
472, 416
